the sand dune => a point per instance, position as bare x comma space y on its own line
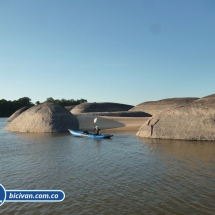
109, 123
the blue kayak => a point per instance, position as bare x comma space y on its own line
77, 133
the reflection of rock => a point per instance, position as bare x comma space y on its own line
154, 107
192, 121
182, 150
119, 114
100, 107
17, 113
44, 118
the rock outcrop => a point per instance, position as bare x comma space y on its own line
192, 121
154, 107
17, 113
70, 107
44, 118
100, 107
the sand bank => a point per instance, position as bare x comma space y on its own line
111, 123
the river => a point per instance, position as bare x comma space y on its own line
123, 175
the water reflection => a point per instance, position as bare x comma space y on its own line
203, 151
186, 171
97, 145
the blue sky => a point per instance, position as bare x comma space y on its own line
126, 51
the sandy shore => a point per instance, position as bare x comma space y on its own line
111, 123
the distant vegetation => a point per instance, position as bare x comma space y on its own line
64, 102
7, 108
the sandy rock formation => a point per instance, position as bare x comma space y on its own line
44, 118
70, 107
17, 113
154, 107
192, 121
100, 107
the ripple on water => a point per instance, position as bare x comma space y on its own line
124, 175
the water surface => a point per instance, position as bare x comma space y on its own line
123, 175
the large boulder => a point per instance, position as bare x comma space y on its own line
44, 118
154, 107
192, 121
100, 107
17, 113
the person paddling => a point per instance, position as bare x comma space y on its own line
96, 130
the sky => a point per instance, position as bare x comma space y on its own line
124, 51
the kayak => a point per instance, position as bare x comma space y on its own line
77, 133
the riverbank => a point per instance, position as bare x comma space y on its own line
111, 123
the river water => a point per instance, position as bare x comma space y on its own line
123, 175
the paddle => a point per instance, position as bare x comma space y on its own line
95, 120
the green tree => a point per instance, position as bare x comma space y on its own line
7, 108
50, 100
24, 101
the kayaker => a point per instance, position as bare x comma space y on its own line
96, 130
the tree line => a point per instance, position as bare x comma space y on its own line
7, 108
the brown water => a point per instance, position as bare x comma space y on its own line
124, 175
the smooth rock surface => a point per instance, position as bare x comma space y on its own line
154, 107
70, 107
192, 121
44, 118
100, 107
17, 113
